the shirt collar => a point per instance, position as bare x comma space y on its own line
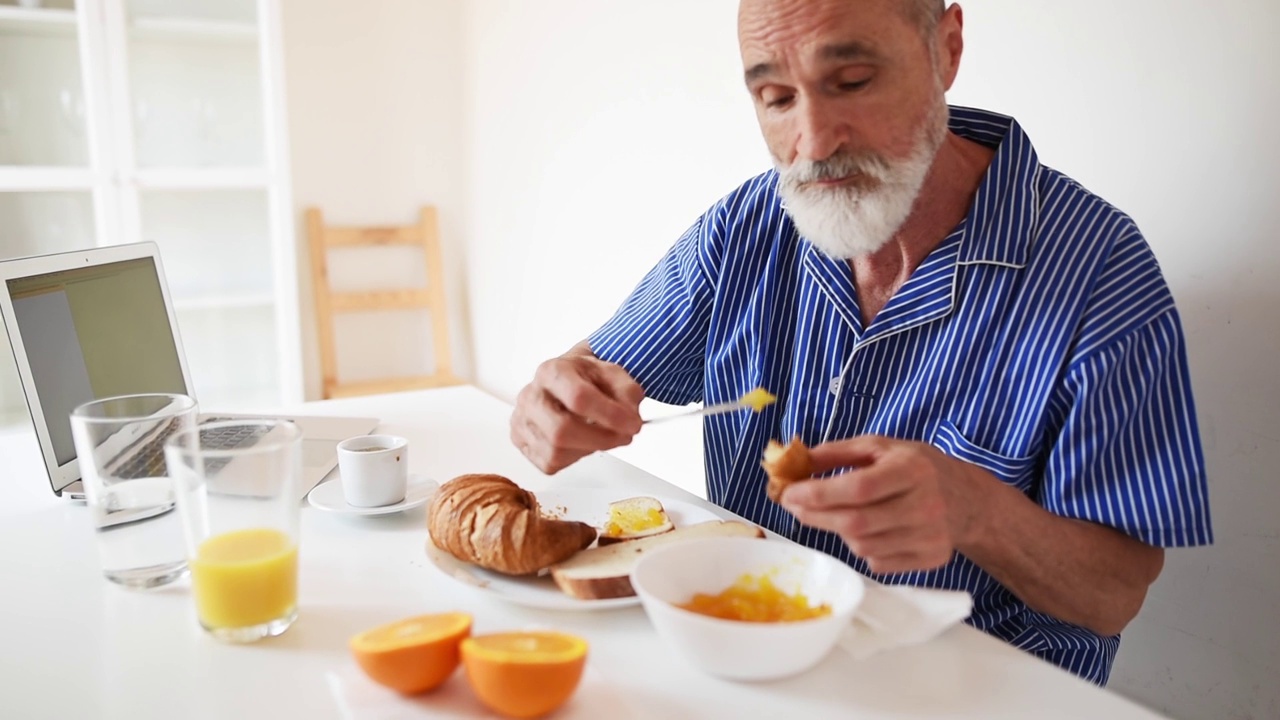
1002, 219
1000, 225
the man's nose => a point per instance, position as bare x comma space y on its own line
820, 131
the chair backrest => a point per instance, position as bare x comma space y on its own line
426, 235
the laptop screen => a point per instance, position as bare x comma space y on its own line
92, 333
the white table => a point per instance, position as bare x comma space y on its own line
75, 646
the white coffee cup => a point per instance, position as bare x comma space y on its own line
374, 470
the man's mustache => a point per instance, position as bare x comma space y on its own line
841, 165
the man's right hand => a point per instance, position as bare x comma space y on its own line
577, 404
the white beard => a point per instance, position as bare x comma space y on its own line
852, 220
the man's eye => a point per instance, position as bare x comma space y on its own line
852, 86
777, 100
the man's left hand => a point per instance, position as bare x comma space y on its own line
903, 506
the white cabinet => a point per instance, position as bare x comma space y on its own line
161, 120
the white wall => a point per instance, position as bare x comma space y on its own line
375, 128
597, 131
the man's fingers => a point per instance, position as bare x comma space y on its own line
575, 406
558, 428
883, 540
856, 451
844, 521
618, 384
901, 512
856, 488
524, 436
908, 562
887, 508
546, 457
579, 392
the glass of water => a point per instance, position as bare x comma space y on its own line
130, 494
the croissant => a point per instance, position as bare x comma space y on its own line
494, 523
785, 464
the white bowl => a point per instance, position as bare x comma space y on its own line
738, 650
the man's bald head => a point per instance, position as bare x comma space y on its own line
923, 14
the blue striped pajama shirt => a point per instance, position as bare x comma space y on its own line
1038, 341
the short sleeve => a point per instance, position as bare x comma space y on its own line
1129, 453
659, 334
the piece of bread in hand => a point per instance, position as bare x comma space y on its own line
600, 573
785, 464
634, 518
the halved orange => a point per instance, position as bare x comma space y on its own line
524, 674
413, 655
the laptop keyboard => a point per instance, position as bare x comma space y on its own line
225, 438
149, 460
147, 463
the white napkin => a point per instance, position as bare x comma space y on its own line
359, 698
893, 616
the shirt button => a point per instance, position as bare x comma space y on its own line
835, 385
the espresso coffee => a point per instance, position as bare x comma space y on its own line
374, 470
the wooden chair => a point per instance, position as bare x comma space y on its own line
425, 234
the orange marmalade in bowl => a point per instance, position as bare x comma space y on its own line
755, 599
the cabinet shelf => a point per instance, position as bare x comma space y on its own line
37, 21
162, 28
38, 178
231, 178
130, 120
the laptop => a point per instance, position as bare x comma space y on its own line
99, 323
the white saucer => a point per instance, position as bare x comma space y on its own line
328, 497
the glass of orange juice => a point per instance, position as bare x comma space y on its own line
237, 487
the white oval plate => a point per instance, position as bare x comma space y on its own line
588, 505
327, 496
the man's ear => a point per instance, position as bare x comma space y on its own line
949, 40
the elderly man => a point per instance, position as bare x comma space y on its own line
984, 354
